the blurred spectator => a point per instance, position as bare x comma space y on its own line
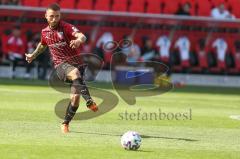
14, 2
237, 56
94, 63
4, 40
16, 46
183, 46
104, 39
221, 13
184, 9
221, 49
104, 48
4, 2
42, 60
148, 51
1, 52
163, 55
133, 52
10, 2
86, 48
163, 43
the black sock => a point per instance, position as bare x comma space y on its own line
79, 87
70, 112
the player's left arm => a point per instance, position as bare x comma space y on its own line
80, 38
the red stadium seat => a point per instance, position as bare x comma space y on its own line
204, 8
216, 3
233, 2
154, 6
234, 5
120, 5
236, 55
33, 3
170, 7
69, 4
85, 4
237, 62
235, 11
192, 2
103, 5
236, 69
4, 39
137, 6
45, 3
201, 54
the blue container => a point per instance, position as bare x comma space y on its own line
145, 77
130, 76
123, 77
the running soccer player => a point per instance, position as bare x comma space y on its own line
63, 40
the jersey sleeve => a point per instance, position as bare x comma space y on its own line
70, 30
43, 42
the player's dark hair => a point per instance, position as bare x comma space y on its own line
54, 6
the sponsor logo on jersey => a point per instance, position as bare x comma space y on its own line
75, 29
60, 44
60, 35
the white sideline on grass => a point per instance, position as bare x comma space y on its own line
235, 117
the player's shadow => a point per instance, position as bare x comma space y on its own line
169, 138
143, 136
140, 150
93, 133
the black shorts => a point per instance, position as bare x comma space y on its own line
63, 70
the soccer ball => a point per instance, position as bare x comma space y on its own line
131, 140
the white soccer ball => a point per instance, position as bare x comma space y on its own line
131, 140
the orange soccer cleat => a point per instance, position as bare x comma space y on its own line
92, 105
65, 128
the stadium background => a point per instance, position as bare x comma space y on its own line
206, 81
144, 21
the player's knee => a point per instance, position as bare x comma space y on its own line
74, 74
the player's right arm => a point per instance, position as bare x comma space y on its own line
40, 48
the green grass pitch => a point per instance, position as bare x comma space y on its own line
29, 128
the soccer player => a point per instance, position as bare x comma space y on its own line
63, 40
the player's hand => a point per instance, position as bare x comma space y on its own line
75, 43
29, 58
